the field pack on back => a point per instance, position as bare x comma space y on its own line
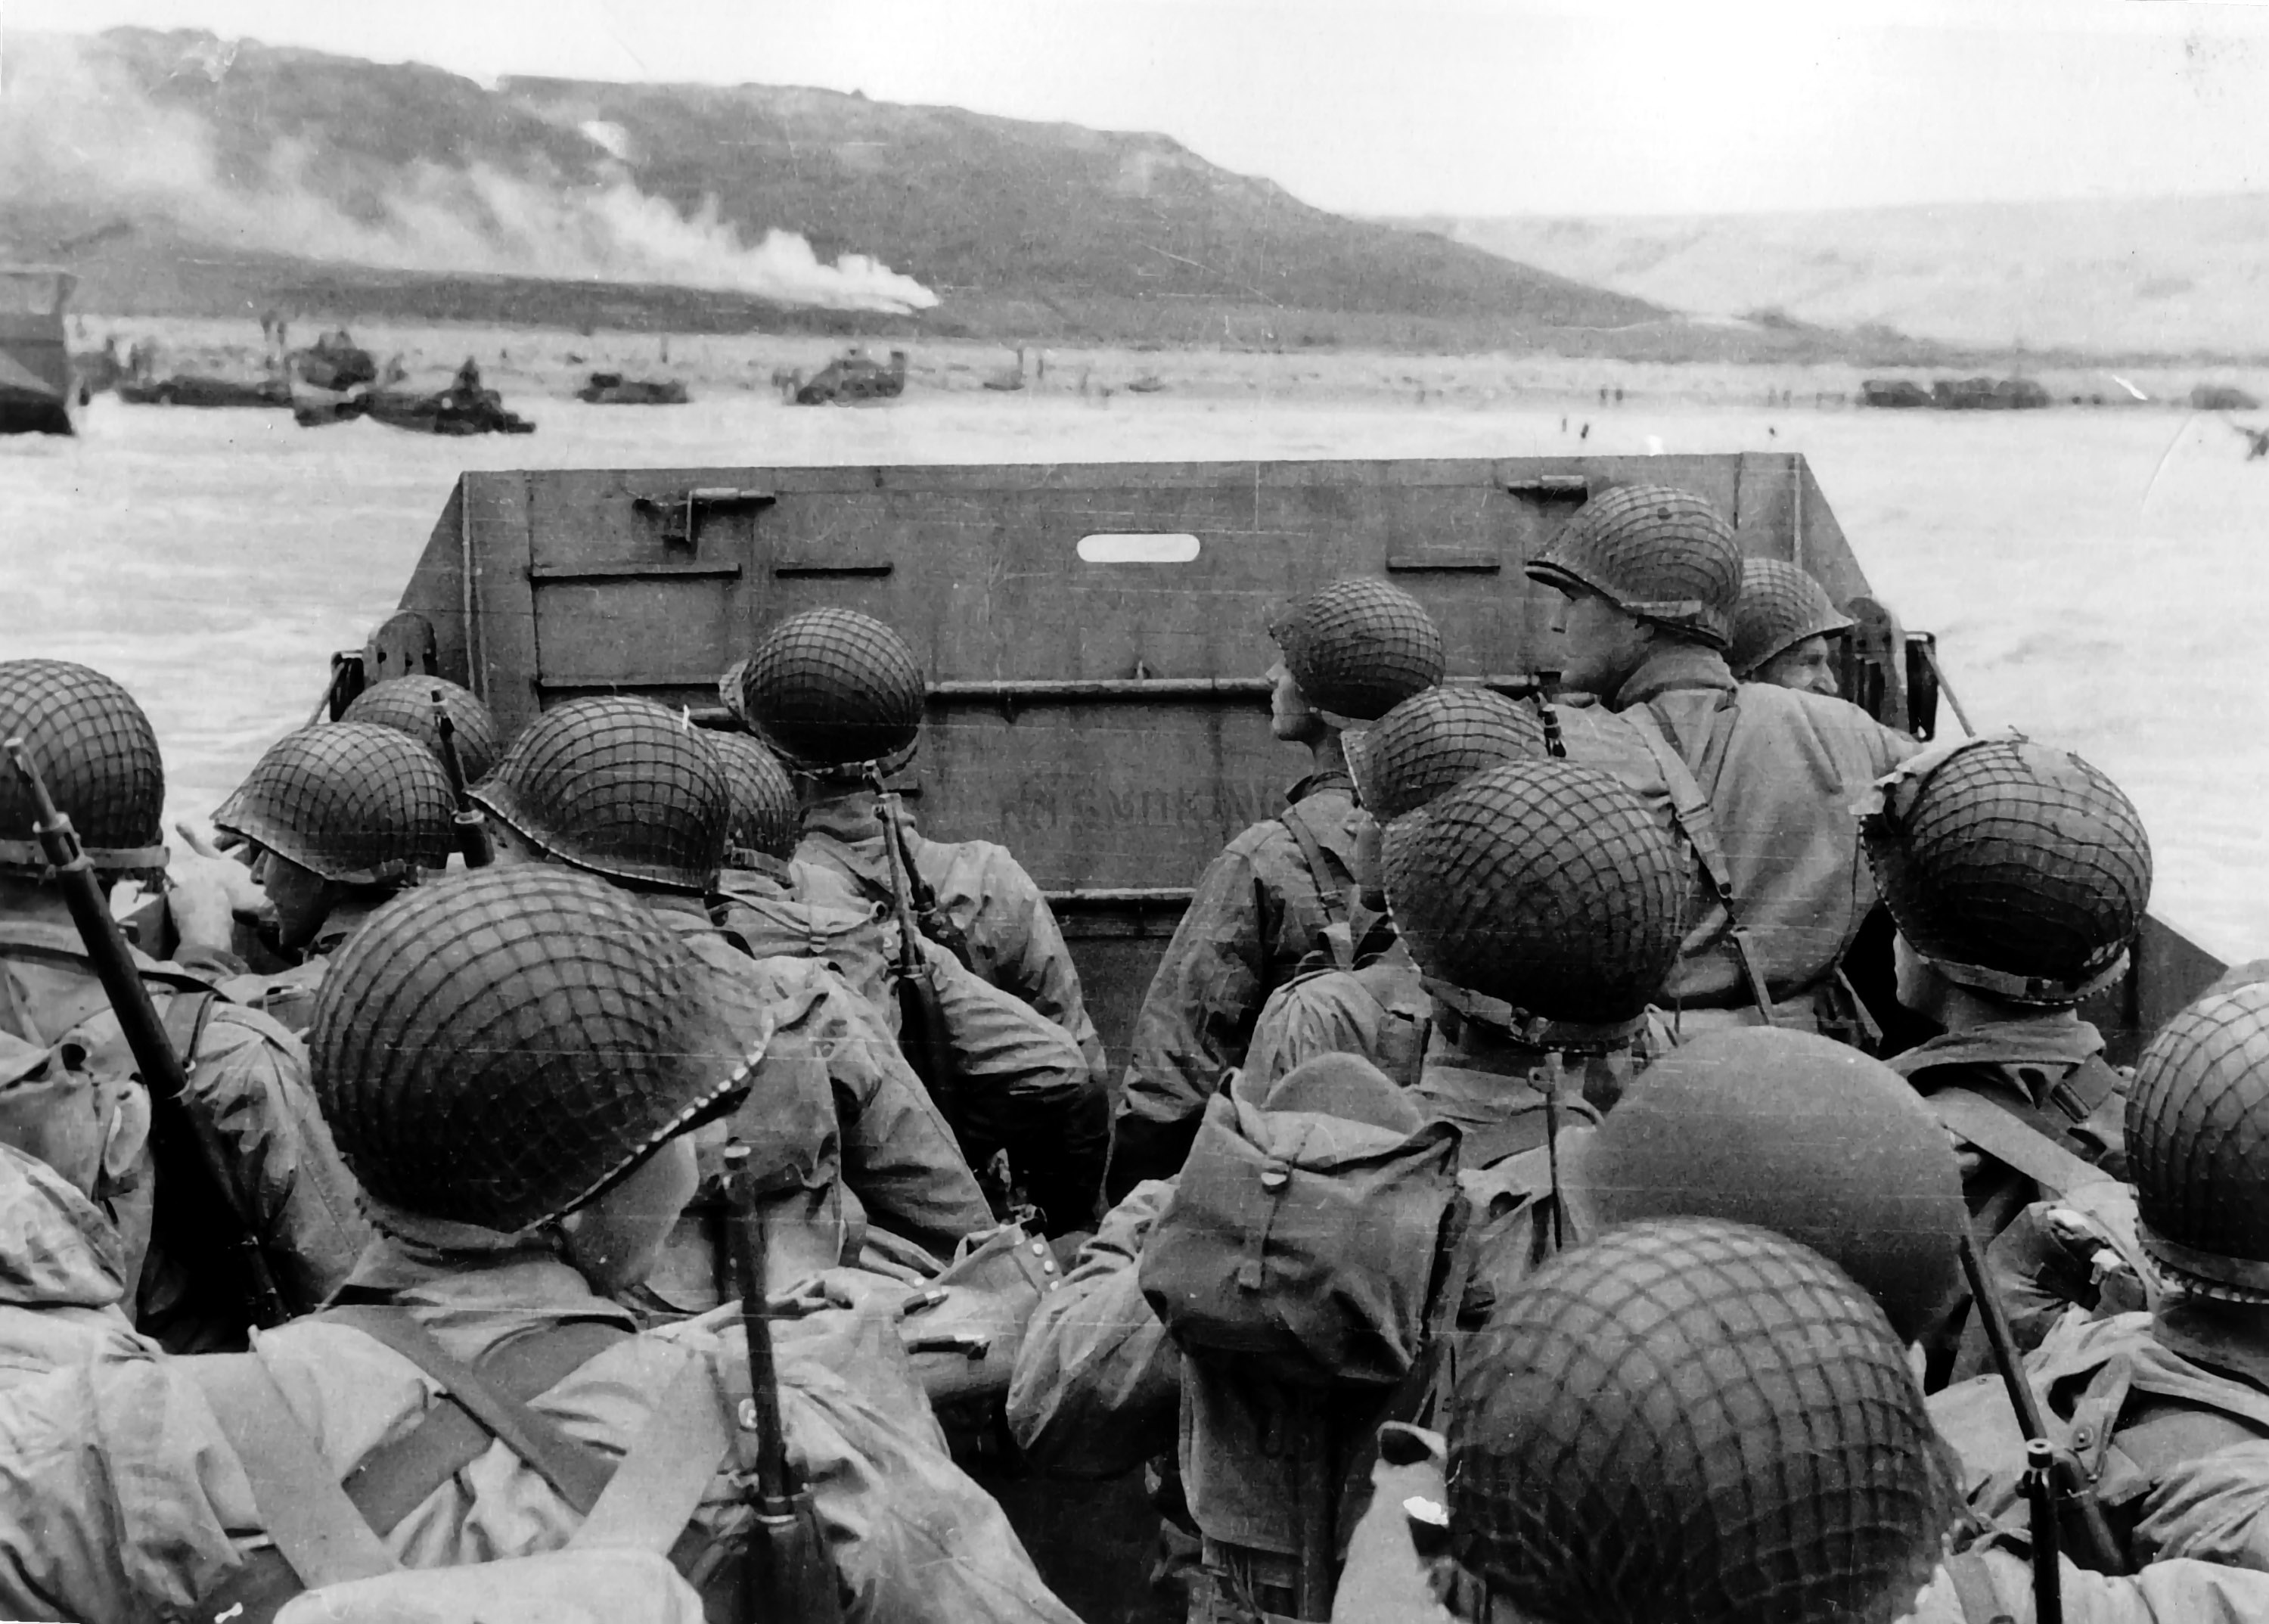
1307, 1229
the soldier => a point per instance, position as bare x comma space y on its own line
623, 789
835, 693
1350, 651
1782, 627
2018, 876
1760, 777
340, 817
247, 1093
513, 1061
1429, 743
405, 704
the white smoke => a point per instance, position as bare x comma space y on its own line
74, 130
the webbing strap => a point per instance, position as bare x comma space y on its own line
576, 1473
1690, 805
1999, 1134
308, 1516
1973, 1589
1327, 891
659, 1485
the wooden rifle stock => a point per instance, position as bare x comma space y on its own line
198, 1161
922, 1031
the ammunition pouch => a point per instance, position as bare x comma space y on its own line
962, 1331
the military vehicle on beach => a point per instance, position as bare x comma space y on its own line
1094, 634
39, 392
850, 379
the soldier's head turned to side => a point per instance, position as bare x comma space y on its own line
1349, 651
1639, 567
1783, 628
1691, 1420
618, 788
1542, 901
338, 814
98, 755
2017, 874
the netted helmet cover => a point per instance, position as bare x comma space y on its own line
405, 704
1435, 740
1544, 884
1780, 607
830, 687
98, 755
497, 1048
766, 817
1359, 646
1693, 1422
2198, 1144
2014, 867
620, 787
1654, 551
1799, 1134
352, 801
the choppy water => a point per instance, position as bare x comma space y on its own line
2093, 576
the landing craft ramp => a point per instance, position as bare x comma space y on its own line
1106, 717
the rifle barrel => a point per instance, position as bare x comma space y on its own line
751, 1262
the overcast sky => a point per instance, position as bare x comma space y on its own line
1514, 106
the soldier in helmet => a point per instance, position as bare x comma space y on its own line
837, 693
1783, 629
514, 1061
1429, 743
1349, 652
246, 1075
339, 817
2018, 876
1760, 777
622, 789
405, 704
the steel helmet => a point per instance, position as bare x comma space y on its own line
619, 787
1695, 1422
767, 820
1359, 646
1780, 607
98, 755
2015, 869
498, 1048
1540, 896
1797, 1135
406, 704
354, 802
2197, 1146
1654, 551
1433, 741
829, 688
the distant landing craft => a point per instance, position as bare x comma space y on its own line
37, 393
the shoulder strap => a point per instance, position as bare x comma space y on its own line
659, 1485
1973, 1589
307, 1514
1998, 1132
575, 1471
1690, 804
1311, 853
184, 1016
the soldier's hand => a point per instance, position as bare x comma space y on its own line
205, 863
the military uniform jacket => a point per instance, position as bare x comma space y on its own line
1378, 1010
1259, 909
121, 1498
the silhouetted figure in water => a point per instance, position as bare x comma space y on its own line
2256, 442
1586, 434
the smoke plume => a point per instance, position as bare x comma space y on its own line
78, 133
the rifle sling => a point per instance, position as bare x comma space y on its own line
1329, 895
1998, 1132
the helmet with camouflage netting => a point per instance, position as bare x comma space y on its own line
1780, 607
2197, 1146
832, 688
1540, 897
767, 820
1654, 551
98, 755
1435, 740
2017, 868
1799, 1134
352, 801
1359, 646
620, 787
1693, 1422
406, 704
498, 1048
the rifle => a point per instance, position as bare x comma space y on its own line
198, 1167
472, 827
931, 919
787, 1575
922, 1031
2063, 1483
